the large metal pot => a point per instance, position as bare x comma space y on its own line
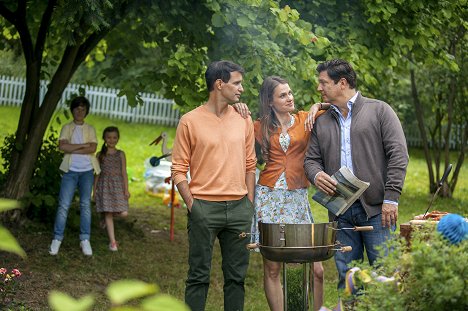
297, 235
299, 243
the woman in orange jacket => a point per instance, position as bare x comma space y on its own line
281, 191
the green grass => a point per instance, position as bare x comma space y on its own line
145, 252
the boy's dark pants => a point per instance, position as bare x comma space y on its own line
225, 220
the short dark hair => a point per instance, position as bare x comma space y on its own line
220, 70
337, 69
80, 101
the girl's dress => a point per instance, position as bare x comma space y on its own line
110, 187
280, 205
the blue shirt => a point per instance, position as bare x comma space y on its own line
345, 128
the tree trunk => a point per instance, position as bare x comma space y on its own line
447, 191
422, 131
20, 173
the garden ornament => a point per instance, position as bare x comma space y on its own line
453, 227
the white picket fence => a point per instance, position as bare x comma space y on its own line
155, 110
413, 138
104, 102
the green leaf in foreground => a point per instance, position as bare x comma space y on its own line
8, 243
122, 291
6, 205
62, 302
163, 302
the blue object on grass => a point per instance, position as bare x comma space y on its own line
453, 227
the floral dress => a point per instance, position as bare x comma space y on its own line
110, 195
278, 204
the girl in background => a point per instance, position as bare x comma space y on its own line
111, 186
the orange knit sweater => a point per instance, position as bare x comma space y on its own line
218, 151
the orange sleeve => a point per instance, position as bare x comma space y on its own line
251, 159
181, 153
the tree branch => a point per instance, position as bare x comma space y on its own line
44, 28
422, 129
21, 26
91, 42
7, 14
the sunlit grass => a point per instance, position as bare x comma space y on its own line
146, 251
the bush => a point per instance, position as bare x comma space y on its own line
42, 197
431, 274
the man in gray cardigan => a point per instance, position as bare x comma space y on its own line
365, 135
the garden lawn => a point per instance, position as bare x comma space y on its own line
145, 251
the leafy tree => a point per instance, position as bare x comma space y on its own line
430, 39
51, 34
406, 52
181, 36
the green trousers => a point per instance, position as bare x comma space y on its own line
225, 220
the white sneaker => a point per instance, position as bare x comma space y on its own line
54, 247
113, 246
86, 248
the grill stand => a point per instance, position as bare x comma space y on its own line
307, 286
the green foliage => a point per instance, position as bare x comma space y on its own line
162, 46
61, 302
7, 241
12, 64
45, 183
180, 39
409, 54
121, 293
433, 275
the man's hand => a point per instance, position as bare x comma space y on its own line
242, 109
189, 204
184, 191
389, 214
324, 182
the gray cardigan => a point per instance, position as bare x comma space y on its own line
378, 149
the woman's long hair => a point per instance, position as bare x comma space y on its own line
103, 152
268, 120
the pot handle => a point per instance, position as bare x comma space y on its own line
243, 235
345, 249
364, 228
252, 246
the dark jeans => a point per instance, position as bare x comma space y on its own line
356, 216
225, 220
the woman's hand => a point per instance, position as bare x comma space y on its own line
309, 122
242, 109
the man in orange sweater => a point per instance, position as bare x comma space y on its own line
217, 145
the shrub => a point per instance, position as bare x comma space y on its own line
45, 183
432, 274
